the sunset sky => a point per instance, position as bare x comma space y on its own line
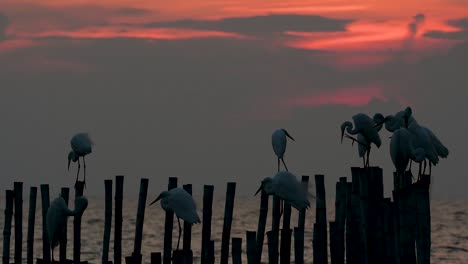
194, 89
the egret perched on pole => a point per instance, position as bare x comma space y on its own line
81, 146
56, 220
278, 141
286, 186
402, 150
182, 204
366, 127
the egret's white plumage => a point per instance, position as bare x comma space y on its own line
56, 219
81, 145
182, 204
402, 150
366, 129
286, 186
278, 141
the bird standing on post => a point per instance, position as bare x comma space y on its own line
182, 204
402, 150
366, 127
81, 146
286, 186
278, 141
57, 215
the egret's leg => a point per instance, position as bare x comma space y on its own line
281, 207
78, 172
430, 168
282, 159
425, 164
52, 255
368, 154
84, 170
278, 164
364, 161
420, 167
180, 232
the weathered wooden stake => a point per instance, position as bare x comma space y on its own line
236, 249
155, 257
107, 221
206, 223
285, 247
168, 224
333, 226
45, 238
262, 218
299, 231
340, 219
228, 211
187, 243
423, 241
119, 182
18, 190
251, 247
320, 244
9, 199
79, 187
210, 252
31, 222
272, 246
275, 225
65, 193
136, 255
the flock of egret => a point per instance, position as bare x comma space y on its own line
409, 142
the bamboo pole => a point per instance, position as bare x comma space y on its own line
65, 193
272, 247
299, 231
107, 221
423, 220
206, 223
31, 222
251, 247
236, 248
262, 218
187, 243
353, 237
18, 190
168, 224
228, 211
45, 238
136, 255
320, 244
275, 224
155, 257
119, 182
285, 247
9, 199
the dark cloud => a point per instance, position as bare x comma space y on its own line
133, 11
261, 24
414, 26
462, 24
3, 26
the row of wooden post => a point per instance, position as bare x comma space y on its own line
377, 230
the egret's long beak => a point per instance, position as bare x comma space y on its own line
259, 189
289, 136
157, 199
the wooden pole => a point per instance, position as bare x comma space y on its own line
285, 247
168, 223
107, 221
320, 244
65, 193
353, 237
299, 245
79, 187
210, 252
155, 257
187, 243
206, 223
423, 242
31, 222
375, 237
299, 231
272, 247
389, 243
119, 182
275, 224
406, 246
18, 190
262, 218
178, 257
251, 247
45, 238
139, 220
236, 249
364, 205
334, 242
228, 211
9, 199
340, 219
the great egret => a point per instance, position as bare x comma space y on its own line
57, 215
81, 146
286, 186
182, 204
367, 128
278, 141
402, 150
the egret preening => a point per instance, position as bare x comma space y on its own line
57, 215
278, 141
402, 150
367, 128
286, 186
81, 146
401, 119
182, 204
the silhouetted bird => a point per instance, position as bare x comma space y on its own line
278, 141
81, 146
182, 204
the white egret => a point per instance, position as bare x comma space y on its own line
367, 128
402, 150
182, 204
278, 141
286, 186
57, 215
81, 146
